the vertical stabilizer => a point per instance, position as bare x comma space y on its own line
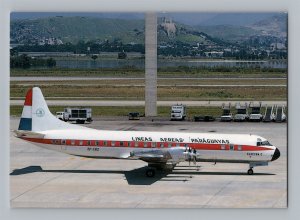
37, 117
26, 118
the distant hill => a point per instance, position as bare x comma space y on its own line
229, 33
235, 19
275, 25
63, 29
73, 29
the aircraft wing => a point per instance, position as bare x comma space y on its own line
28, 134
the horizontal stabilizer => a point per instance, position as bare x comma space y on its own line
28, 134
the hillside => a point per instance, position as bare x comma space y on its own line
275, 25
73, 29
229, 33
260, 40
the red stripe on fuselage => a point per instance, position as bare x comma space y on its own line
28, 99
135, 144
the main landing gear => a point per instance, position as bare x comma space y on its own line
158, 168
250, 171
150, 172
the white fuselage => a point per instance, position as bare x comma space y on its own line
121, 144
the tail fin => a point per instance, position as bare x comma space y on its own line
37, 117
26, 119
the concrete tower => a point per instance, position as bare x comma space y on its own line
151, 64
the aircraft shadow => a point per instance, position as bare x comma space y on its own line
137, 176
133, 177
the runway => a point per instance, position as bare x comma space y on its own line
80, 101
43, 178
74, 78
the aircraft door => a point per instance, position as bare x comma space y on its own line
63, 145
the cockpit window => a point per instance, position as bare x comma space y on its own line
263, 143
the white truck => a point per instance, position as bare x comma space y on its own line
241, 112
178, 112
255, 114
227, 115
78, 115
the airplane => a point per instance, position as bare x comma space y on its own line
161, 150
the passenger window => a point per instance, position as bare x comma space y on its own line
105, 143
223, 147
88, 142
72, 142
161, 145
145, 144
136, 144
153, 144
96, 142
112, 143
128, 144
239, 147
63, 141
80, 142
169, 145
121, 143
231, 147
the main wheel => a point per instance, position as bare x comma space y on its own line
250, 172
150, 173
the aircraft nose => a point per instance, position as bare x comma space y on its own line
276, 154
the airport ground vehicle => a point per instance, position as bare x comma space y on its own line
227, 115
60, 115
255, 114
134, 116
158, 149
78, 115
178, 112
279, 113
241, 112
204, 118
269, 114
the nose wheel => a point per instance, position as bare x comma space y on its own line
250, 171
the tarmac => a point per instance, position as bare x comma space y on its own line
84, 101
49, 179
